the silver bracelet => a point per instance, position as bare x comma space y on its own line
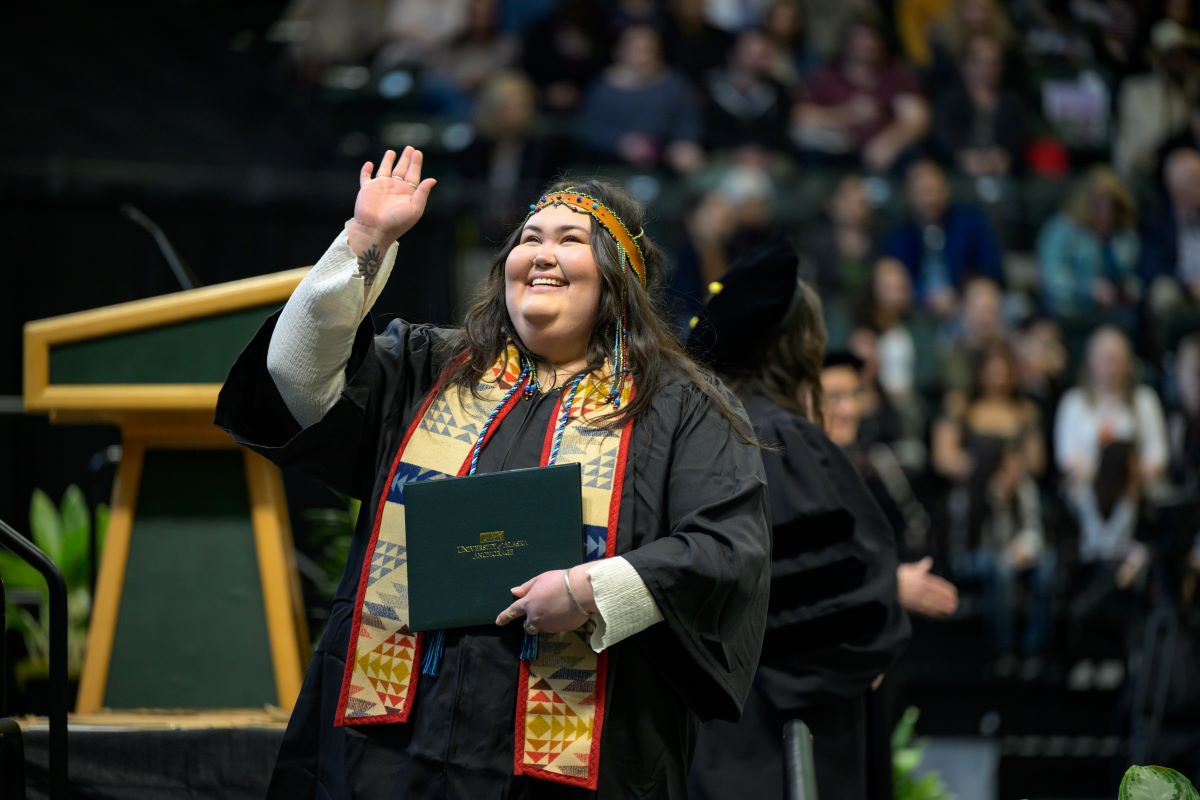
571, 594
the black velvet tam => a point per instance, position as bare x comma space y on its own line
747, 307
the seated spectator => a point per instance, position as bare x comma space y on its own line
840, 246
563, 52
1041, 361
1111, 446
1187, 139
994, 410
1088, 252
510, 155
455, 72
1005, 545
640, 111
1171, 245
921, 591
863, 108
732, 217
1154, 106
979, 326
786, 25
416, 29
1108, 406
934, 34
1183, 424
902, 335
980, 126
943, 243
744, 105
692, 43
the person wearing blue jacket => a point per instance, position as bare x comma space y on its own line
943, 243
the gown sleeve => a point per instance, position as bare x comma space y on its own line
709, 575
387, 376
835, 621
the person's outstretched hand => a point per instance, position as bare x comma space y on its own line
389, 204
924, 593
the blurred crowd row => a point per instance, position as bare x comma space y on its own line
1028, 410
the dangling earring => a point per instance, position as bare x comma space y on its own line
532, 385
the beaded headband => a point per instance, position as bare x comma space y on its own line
627, 243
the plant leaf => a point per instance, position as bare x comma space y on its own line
101, 528
1155, 783
77, 529
46, 525
16, 574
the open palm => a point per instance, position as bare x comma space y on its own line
393, 200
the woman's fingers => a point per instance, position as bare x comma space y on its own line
421, 195
515, 611
386, 163
412, 172
364, 174
402, 164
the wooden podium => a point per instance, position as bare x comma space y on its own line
197, 599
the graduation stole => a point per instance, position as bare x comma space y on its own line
560, 694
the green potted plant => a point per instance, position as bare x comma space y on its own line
62, 533
1155, 783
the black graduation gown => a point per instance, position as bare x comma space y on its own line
693, 524
835, 622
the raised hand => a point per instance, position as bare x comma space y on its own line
392, 201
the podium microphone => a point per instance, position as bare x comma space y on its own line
183, 273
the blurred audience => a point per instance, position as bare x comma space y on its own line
1171, 249
942, 243
980, 126
456, 71
792, 57
692, 43
640, 111
1155, 106
511, 155
863, 108
746, 106
1088, 252
1183, 423
978, 326
837, 250
565, 51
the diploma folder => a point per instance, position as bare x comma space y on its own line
472, 539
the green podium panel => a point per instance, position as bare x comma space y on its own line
153, 355
192, 630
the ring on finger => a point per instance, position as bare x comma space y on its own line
530, 628
410, 183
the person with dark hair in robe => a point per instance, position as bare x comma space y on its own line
562, 357
834, 624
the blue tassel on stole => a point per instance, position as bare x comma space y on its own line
529, 647
431, 663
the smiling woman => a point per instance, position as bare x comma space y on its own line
563, 358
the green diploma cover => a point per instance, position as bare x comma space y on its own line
472, 539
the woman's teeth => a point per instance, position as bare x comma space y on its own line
547, 282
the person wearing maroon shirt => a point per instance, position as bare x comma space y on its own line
864, 107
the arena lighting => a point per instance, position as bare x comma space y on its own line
350, 78
396, 83
644, 188
399, 134
457, 136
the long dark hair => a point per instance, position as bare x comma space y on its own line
654, 354
788, 369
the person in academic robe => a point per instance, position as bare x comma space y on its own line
834, 624
594, 682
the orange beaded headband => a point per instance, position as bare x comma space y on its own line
627, 244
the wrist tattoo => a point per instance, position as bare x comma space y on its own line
369, 263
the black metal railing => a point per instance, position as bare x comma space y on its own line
30, 554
